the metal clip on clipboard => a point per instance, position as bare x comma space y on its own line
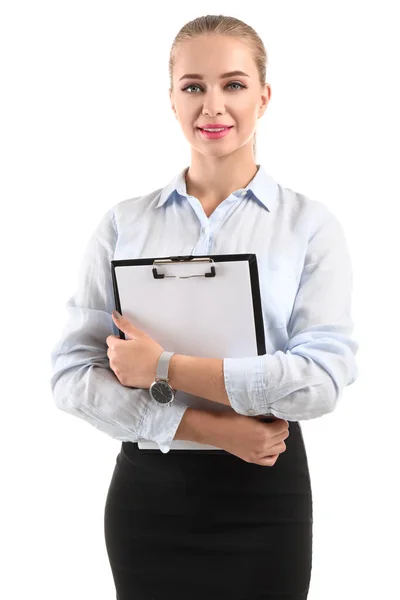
181, 259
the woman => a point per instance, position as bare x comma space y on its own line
213, 523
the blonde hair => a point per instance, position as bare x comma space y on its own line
223, 25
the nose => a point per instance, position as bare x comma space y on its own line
213, 103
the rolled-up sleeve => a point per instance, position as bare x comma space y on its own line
306, 378
82, 382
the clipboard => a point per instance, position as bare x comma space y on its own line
198, 305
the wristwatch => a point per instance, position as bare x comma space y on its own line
160, 390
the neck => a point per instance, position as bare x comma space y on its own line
213, 179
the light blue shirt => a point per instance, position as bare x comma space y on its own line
305, 283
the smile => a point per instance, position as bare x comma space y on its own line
216, 134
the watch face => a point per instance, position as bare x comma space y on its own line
161, 392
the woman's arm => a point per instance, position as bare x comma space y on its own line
82, 382
198, 426
203, 377
306, 378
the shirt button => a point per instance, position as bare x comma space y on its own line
244, 193
251, 411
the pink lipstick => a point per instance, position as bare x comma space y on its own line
215, 135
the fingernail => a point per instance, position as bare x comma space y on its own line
116, 314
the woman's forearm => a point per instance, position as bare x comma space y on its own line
199, 426
203, 377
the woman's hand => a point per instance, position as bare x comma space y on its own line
134, 360
250, 439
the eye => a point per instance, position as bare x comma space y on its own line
193, 85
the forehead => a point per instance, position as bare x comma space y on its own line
211, 55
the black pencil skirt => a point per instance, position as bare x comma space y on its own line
206, 525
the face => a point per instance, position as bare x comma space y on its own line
237, 101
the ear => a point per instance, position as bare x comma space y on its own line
265, 98
171, 99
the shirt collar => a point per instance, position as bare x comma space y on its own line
263, 187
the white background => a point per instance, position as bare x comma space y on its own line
86, 122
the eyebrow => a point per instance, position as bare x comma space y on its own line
230, 74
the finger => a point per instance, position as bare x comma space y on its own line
111, 339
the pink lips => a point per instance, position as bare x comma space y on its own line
214, 126
214, 135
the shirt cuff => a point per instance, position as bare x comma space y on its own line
245, 385
160, 423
